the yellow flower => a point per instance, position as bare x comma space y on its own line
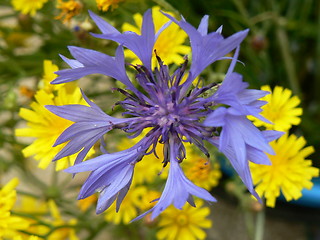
8, 195
45, 126
85, 203
128, 210
49, 68
150, 165
282, 109
200, 171
61, 233
104, 5
68, 9
31, 205
289, 173
32, 237
169, 45
28, 6
184, 224
10, 225
147, 200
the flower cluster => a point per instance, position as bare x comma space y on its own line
45, 126
10, 225
290, 171
176, 112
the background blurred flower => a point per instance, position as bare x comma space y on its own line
282, 109
84, 204
150, 167
18, 237
10, 225
48, 75
187, 223
129, 206
64, 230
28, 6
104, 5
289, 171
68, 9
45, 126
203, 172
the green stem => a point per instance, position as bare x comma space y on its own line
249, 222
33, 217
20, 192
97, 230
260, 221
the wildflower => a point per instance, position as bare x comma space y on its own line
129, 206
170, 42
28, 6
48, 75
33, 205
26, 91
147, 200
68, 9
8, 195
149, 166
9, 224
32, 237
282, 109
202, 172
187, 223
57, 221
173, 110
289, 173
84, 204
104, 5
45, 126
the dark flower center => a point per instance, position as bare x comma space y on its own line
163, 108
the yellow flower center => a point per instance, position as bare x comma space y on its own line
200, 170
182, 220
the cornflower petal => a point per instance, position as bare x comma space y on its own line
178, 189
206, 48
233, 92
141, 45
71, 62
111, 174
91, 123
104, 26
240, 141
90, 62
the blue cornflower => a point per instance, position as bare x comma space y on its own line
175, 112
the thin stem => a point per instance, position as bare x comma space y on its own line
97, 230
20, 192
249, 222
260, 221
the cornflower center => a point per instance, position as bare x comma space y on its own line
169, 113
